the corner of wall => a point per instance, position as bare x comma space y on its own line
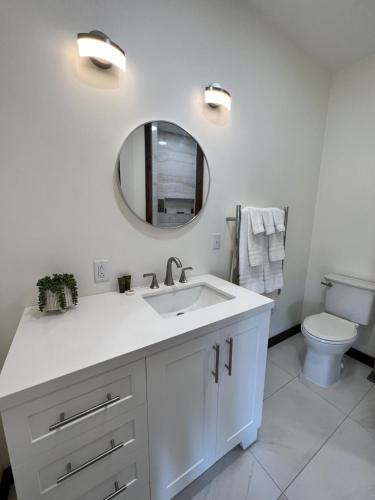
307, 307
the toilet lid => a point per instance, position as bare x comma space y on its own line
328, 327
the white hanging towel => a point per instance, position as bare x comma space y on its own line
276, 250
273, 276
274, 222
256, 220
261, 255
268, 220
279, 219
251, 277
252, 217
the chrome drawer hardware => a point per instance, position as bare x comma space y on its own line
117, 491
71, 472
65, 421
327, 283
215, 373
229, 365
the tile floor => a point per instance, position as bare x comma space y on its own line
314, 443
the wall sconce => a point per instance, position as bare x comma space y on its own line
215, 96
101, 50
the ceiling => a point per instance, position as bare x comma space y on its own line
335, 32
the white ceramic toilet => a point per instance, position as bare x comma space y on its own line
348, 303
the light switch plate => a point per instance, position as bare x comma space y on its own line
101, 270
216, 241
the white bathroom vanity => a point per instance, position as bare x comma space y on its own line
133, 397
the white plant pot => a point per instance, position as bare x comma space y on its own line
53, 303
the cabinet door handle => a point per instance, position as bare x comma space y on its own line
215, 373
229, 365
77, 416
117, 491
71, 472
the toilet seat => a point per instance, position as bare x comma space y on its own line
328, 328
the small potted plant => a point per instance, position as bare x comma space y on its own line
58, 292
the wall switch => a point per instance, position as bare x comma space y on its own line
216, 241
101, 271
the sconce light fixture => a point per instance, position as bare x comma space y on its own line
101, 50
215, 96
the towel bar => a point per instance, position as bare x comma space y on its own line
237, 219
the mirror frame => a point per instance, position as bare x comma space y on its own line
118, 180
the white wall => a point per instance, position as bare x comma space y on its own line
344, 230
63, 121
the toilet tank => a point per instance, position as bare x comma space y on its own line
350, 298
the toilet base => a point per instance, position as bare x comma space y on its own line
322, 369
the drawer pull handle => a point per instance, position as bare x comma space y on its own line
117, 491
215, 373
229, 365
71, 472
65, 421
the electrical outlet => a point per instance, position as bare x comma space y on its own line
216, 241
101, 272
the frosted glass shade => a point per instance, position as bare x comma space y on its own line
101, 50
215, 95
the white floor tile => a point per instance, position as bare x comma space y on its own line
289, 355
296, 423
349, 390
364, 413
342, 470
237, 476
275, 379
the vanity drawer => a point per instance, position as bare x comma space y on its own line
35, 427
131, 485
94, 462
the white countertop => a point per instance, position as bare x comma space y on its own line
103, 327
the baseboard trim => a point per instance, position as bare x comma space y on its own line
280, 337
6, 482
366, 359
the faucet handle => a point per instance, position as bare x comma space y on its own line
154, 282
183, 275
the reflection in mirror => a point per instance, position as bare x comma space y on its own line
163, 174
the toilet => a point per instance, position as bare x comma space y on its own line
349, 303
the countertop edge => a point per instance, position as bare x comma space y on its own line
11, 400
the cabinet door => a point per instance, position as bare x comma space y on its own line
242, 373
182, 402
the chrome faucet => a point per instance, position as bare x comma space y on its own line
168, 275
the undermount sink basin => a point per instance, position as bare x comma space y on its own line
185, 299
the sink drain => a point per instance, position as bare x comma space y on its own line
179, 314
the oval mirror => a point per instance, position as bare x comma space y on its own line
163, 174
